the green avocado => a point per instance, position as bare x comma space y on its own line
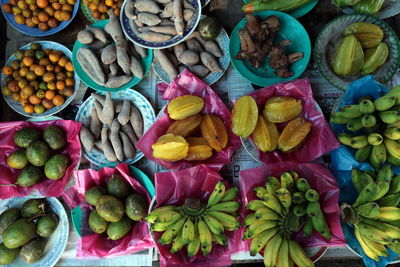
135, 207
8, 255
30, 176
46, 225
17, 160
56, 166
96, 223
93, 194
118, 187
54, 137
8, 217
209, 28
19, 233
38, 153
110, 208
33, 207
33, 250
25, 136
117, 230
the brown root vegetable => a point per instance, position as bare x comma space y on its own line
140, 50
124, 114
118, 106
138, 23
163, 29
155, 37
187, 5
194, 45
116, 141
113, 28
166, 22
196, 35
189, 58
188, 14
113, 69
98, 33
98, 144
108, 150
210, 62
168, 11
253, 26
95, 124
246, 43
101, 99
163, 1
123, 58
118, 81
109, 54
200, 71
172, 58
87, 138
128, 130
147, 6
107, 114
149, 19
128, 147
85, 37
136, 67
212, 47
130, 10
165, 63
179, 49
99, 109
91, 65
178, 17
136, 120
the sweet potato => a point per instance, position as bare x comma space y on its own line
116, 141
147, 6
178, 17
212, 47
123, 58
137, 67
87, 138
194, 45
138, 23
136, 120
179, 49
107, 114
155, 37
98, 33
130, 10
210, 62
140, 50
101, 99
99, 109
163, 1
124, 114
128, 148
168, 11
197, 36
108, 150
127, 129
165, 63
189, 58
85, 37
95, 124
187, 4
200, 71
188, 14
160, 29
166, 22
91, 65
118, 81
113, 28
98, 144
172, 58
113, 69
109, 54
118, 106
149, 19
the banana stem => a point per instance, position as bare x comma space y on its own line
348, 214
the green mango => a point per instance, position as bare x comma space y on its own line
46, 225
56, 166
25, 136
93, 194
117, 230
19, 233
33, 207
135, 207
38, 153
96, 223
118, 187
8, 217
110, 208
8, 255
54, 137
30, 176
33, 250
17, 160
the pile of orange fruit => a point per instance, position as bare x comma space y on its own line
39, 78
100, 8
43, 14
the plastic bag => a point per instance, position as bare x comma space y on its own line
172, 188
186, 83
319, 141
319, 178
98, 245
47, 187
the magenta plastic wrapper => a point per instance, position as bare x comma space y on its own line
172, 188
184, 84
99, 245
319, 178
47, 187
319, 141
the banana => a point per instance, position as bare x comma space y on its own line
229, 206
366, 106
188, 231
294, 175
298, 198
272, 184
388, 214
259, 241
311, 195
271, 202
359, 179
217, 194
392, 147
371, 254
338, 118
351, 111
378, 156
153, 215
194, 246
228, 221
177, 244
292, 223
395, 246
394, 92
285, 197
392, 132
391, 230
267, 214
367, 194
249, 219
259, 226
368, 120
374, 233
286, 180
371, 173
385, 174
320, 224
260, 191
375, 139
383, 189
377, 248
283, 254
168, 216
298, 255
389, 201
362, 154
354, 125
255, 205
271, 254
308, 226
302, 185
220, 239
205, 237
300, 209
392, 160
359, 141
313, 208
389, 116
345, 138
172, 231
368, 210
384, 103
394, 223
230, 194
213, 224
394, 185
162, 226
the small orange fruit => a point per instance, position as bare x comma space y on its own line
58, 100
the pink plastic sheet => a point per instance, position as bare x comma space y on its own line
319, 141
184, 84
98, 245
172, 188
319, 178
47, 187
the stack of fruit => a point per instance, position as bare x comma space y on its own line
100, 8
192, 136
376, 128
277, 110
350, 58
284, 206
39, 78
110, 214
197, 225
375, 213
361, 6
34, 155
25, 231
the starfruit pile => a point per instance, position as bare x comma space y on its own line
361, 6
361, 51
246, 121
192, 136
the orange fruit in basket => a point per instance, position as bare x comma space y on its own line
116, 12
19, 19
28, 61
27, 13
54, 56
40, 70
65, 15
34, 84
51, 86
109, 3
35, 20
67, 7
49, 94
58, 100
69, 82
29, 23
43, 16
49, 77
42, 3
22, 5
23, 101
7, 8
61, 76
69, 66
60, 85
47, 103
34, 100
7, 70
33, 7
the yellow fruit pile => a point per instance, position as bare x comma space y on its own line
181, 140
279, 109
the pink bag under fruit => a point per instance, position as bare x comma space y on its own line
98, 245
47, 187
319, 178
172, 188
184, 84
